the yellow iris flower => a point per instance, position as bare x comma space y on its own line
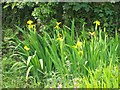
92, 33
79, 44
57, 25
74, 46
29, 22
97, 22
59, 39
32, 27
26, 48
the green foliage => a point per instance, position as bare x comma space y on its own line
102, 77
13, 75
44, 11
61, 47
67, 54
12, 12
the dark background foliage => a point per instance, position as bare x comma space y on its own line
43, 12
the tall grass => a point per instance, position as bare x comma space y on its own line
71, 55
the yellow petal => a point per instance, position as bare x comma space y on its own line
79, 44
58, 23
29, 22
56, 27
26, 48
97, 22
92, 33
32, 27
74, 46
59, 39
